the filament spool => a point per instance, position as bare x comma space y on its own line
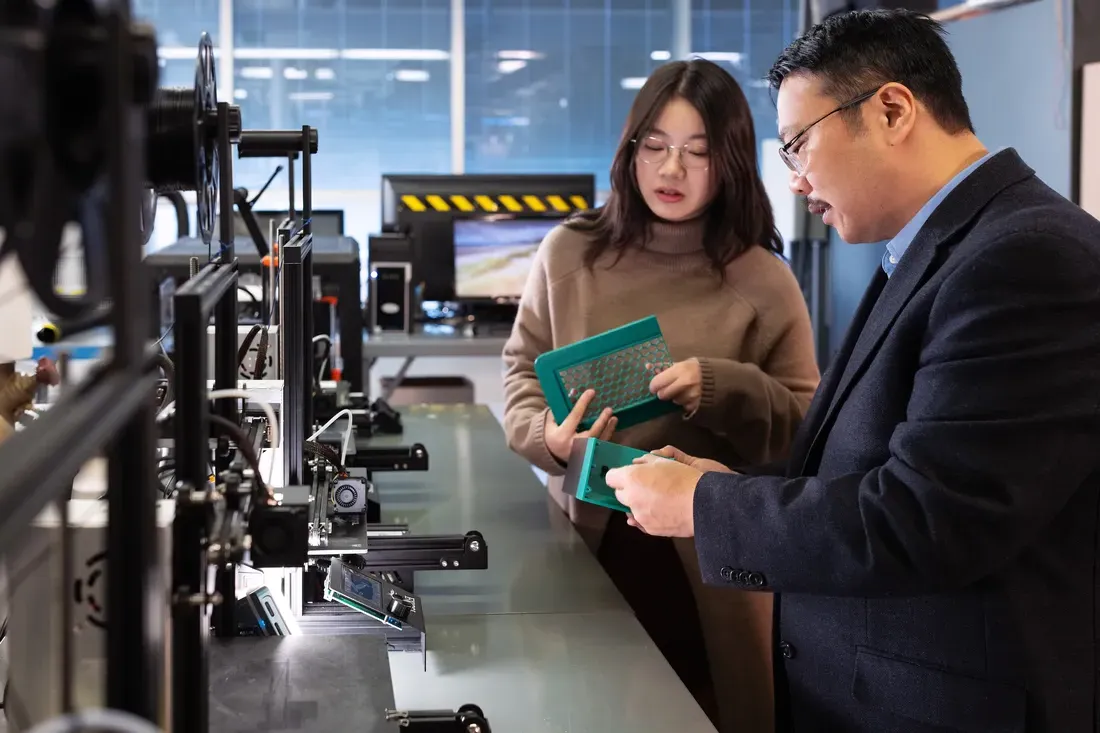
182, 140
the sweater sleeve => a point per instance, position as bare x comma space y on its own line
759, 406
525, 410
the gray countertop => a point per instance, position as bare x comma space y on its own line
541, 640
537, 562
549, 673
430, 344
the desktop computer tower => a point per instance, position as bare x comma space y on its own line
390, 297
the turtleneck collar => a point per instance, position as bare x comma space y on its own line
676, 238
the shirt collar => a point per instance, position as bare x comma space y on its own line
897, 247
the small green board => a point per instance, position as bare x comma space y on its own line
614, 364
589, 461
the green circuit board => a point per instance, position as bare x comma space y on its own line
618, 365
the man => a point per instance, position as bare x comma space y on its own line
933, 538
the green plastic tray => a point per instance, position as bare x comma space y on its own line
614, 364
589, 461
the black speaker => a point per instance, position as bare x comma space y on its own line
390, 306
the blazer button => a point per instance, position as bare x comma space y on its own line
756, 580
786, 650
743, 577
727, 573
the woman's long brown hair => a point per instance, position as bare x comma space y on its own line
740, 215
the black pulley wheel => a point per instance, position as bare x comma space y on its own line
206, 138
182, 139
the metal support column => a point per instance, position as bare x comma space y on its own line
134, 631
458, 86
681, 29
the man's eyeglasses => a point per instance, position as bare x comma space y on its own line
791, 158
655, 151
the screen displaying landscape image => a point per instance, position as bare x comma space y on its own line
493, 257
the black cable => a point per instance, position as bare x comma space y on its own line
250, 294
326, 453
244, 445
169, 368
246, 344
260, 366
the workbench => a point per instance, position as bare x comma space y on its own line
541, 640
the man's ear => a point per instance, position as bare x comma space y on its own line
895, 111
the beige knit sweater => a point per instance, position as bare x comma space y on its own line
750, 333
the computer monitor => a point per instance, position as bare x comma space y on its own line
424, 207
493, 255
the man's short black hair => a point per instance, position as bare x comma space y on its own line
855, 52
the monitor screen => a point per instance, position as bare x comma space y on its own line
493, 256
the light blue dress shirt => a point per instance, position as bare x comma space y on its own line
896, 247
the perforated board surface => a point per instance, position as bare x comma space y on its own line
618, 364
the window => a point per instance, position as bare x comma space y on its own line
549, 82
373, 76
746, 36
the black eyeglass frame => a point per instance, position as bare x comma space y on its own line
785, 151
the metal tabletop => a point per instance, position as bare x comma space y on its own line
405, 345
549, 673
537, 561
308, 684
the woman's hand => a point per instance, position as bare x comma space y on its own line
703, 465
681, 383
559, 438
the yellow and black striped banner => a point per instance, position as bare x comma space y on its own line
503, 203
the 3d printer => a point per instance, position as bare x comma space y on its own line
221, 507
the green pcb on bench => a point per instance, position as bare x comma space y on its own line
589, 461
614, 364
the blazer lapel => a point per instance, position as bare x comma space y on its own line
920, 262
823, 397
897, 292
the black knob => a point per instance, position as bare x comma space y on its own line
398, 609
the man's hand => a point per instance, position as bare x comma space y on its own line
559, 438
660, 495
681, 383
702, 465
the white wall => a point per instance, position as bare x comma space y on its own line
1090, 140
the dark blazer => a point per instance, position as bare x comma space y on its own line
935, 538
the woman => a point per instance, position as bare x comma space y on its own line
687, 234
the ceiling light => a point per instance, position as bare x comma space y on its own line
415, 75
187, 53
394, 54
295, 74
287, 54
256, 72
632, 82
660, 55
510, 65
310, 96
240, 94
324, 74
519, 55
